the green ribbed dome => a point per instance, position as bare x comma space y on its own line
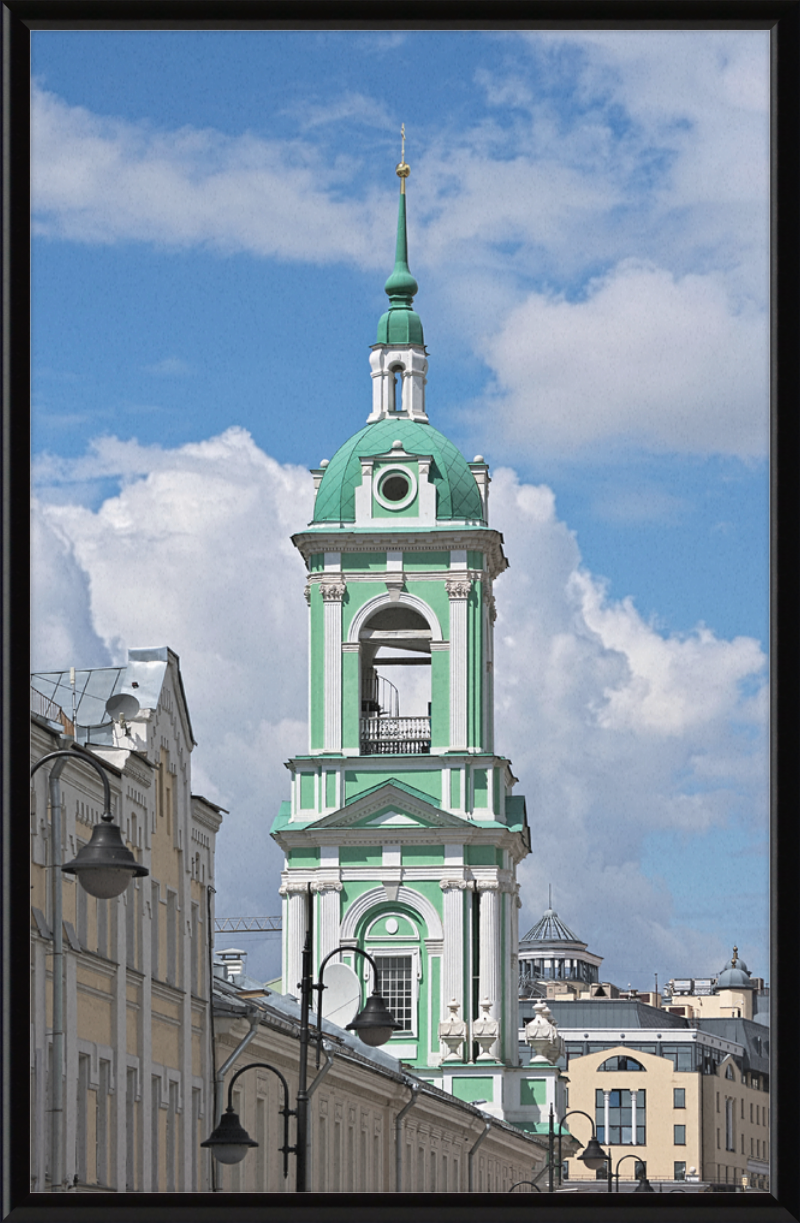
457, 495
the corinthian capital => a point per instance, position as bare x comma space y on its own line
292, 887
488, 885
458, 588
326, 885
332, 589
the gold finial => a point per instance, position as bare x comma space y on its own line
736, 953
402, 170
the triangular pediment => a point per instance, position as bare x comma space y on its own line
389, 807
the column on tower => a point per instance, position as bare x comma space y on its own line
453, 950
332, 591
328, 916
294, 896
458, 589
489, 954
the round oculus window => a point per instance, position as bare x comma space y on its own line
397, 487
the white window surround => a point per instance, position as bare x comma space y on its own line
385, 600
377, 896
395, 469
400, 951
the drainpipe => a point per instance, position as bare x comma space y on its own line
398, 1135
328, 1051
57, 1101
472, 1151
252, 1016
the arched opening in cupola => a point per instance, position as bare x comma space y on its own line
395, 665
396, 387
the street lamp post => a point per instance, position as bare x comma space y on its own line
230, 1141
644, 1185
104, 868
374, 1025
593, 1155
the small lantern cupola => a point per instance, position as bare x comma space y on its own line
398, 359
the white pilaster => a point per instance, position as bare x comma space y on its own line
328, 925
606, 1117
489, 973
294, 917
453, 952
458, 592
332, 591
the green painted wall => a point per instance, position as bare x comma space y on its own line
360, 855
429, 781
421, 562
422, 855
440, 698
317, 663
479, 789
455, 789
351, 701
475, 560
316, 562
483, 855
358, 594
469, 1089
533, 1091
475, 666
360, 562
307, 791
434, 994
496, 791
330, 788
303, 857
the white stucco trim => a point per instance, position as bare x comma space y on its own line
372, 605
415, 900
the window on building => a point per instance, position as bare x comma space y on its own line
130, 1129
717, 1137
729, 1071
639, 1169
620, 1116
751, 1112
679, 1097
717, 1101
102, 928
565, 1170
729, 1136
396, 987
129, 900
679, 1135
172, 937
172, 1134
681, 1056
82, 1106
195, 949
679, 1170
621, 1063
101, 1122
155, 894
197, 1138
155, 1104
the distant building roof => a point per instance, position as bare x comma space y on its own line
616, 1013
735, 974
551, 929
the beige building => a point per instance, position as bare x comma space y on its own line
355, 1125
137, 1062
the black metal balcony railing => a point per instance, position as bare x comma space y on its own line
384, 736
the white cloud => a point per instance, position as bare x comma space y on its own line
614, 729
169, 367
670, 362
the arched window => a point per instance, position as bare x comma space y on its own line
395, 714
621, 1063
396, 388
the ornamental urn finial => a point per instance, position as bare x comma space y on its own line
542, 1034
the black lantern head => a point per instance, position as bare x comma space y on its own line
593, 1154
105, 866
230, 1141
375, 1024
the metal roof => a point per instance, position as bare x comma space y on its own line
551, 929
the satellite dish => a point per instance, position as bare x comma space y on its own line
341, 995
124, 705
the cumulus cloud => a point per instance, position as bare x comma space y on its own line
614, 729
669, 362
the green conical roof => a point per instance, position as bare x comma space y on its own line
400, 324
457, 495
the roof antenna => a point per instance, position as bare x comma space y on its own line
549, 895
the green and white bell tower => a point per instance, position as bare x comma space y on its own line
402, 815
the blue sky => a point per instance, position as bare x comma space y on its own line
214, 218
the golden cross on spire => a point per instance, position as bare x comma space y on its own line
402, 170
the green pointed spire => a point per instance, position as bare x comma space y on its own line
401, 324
